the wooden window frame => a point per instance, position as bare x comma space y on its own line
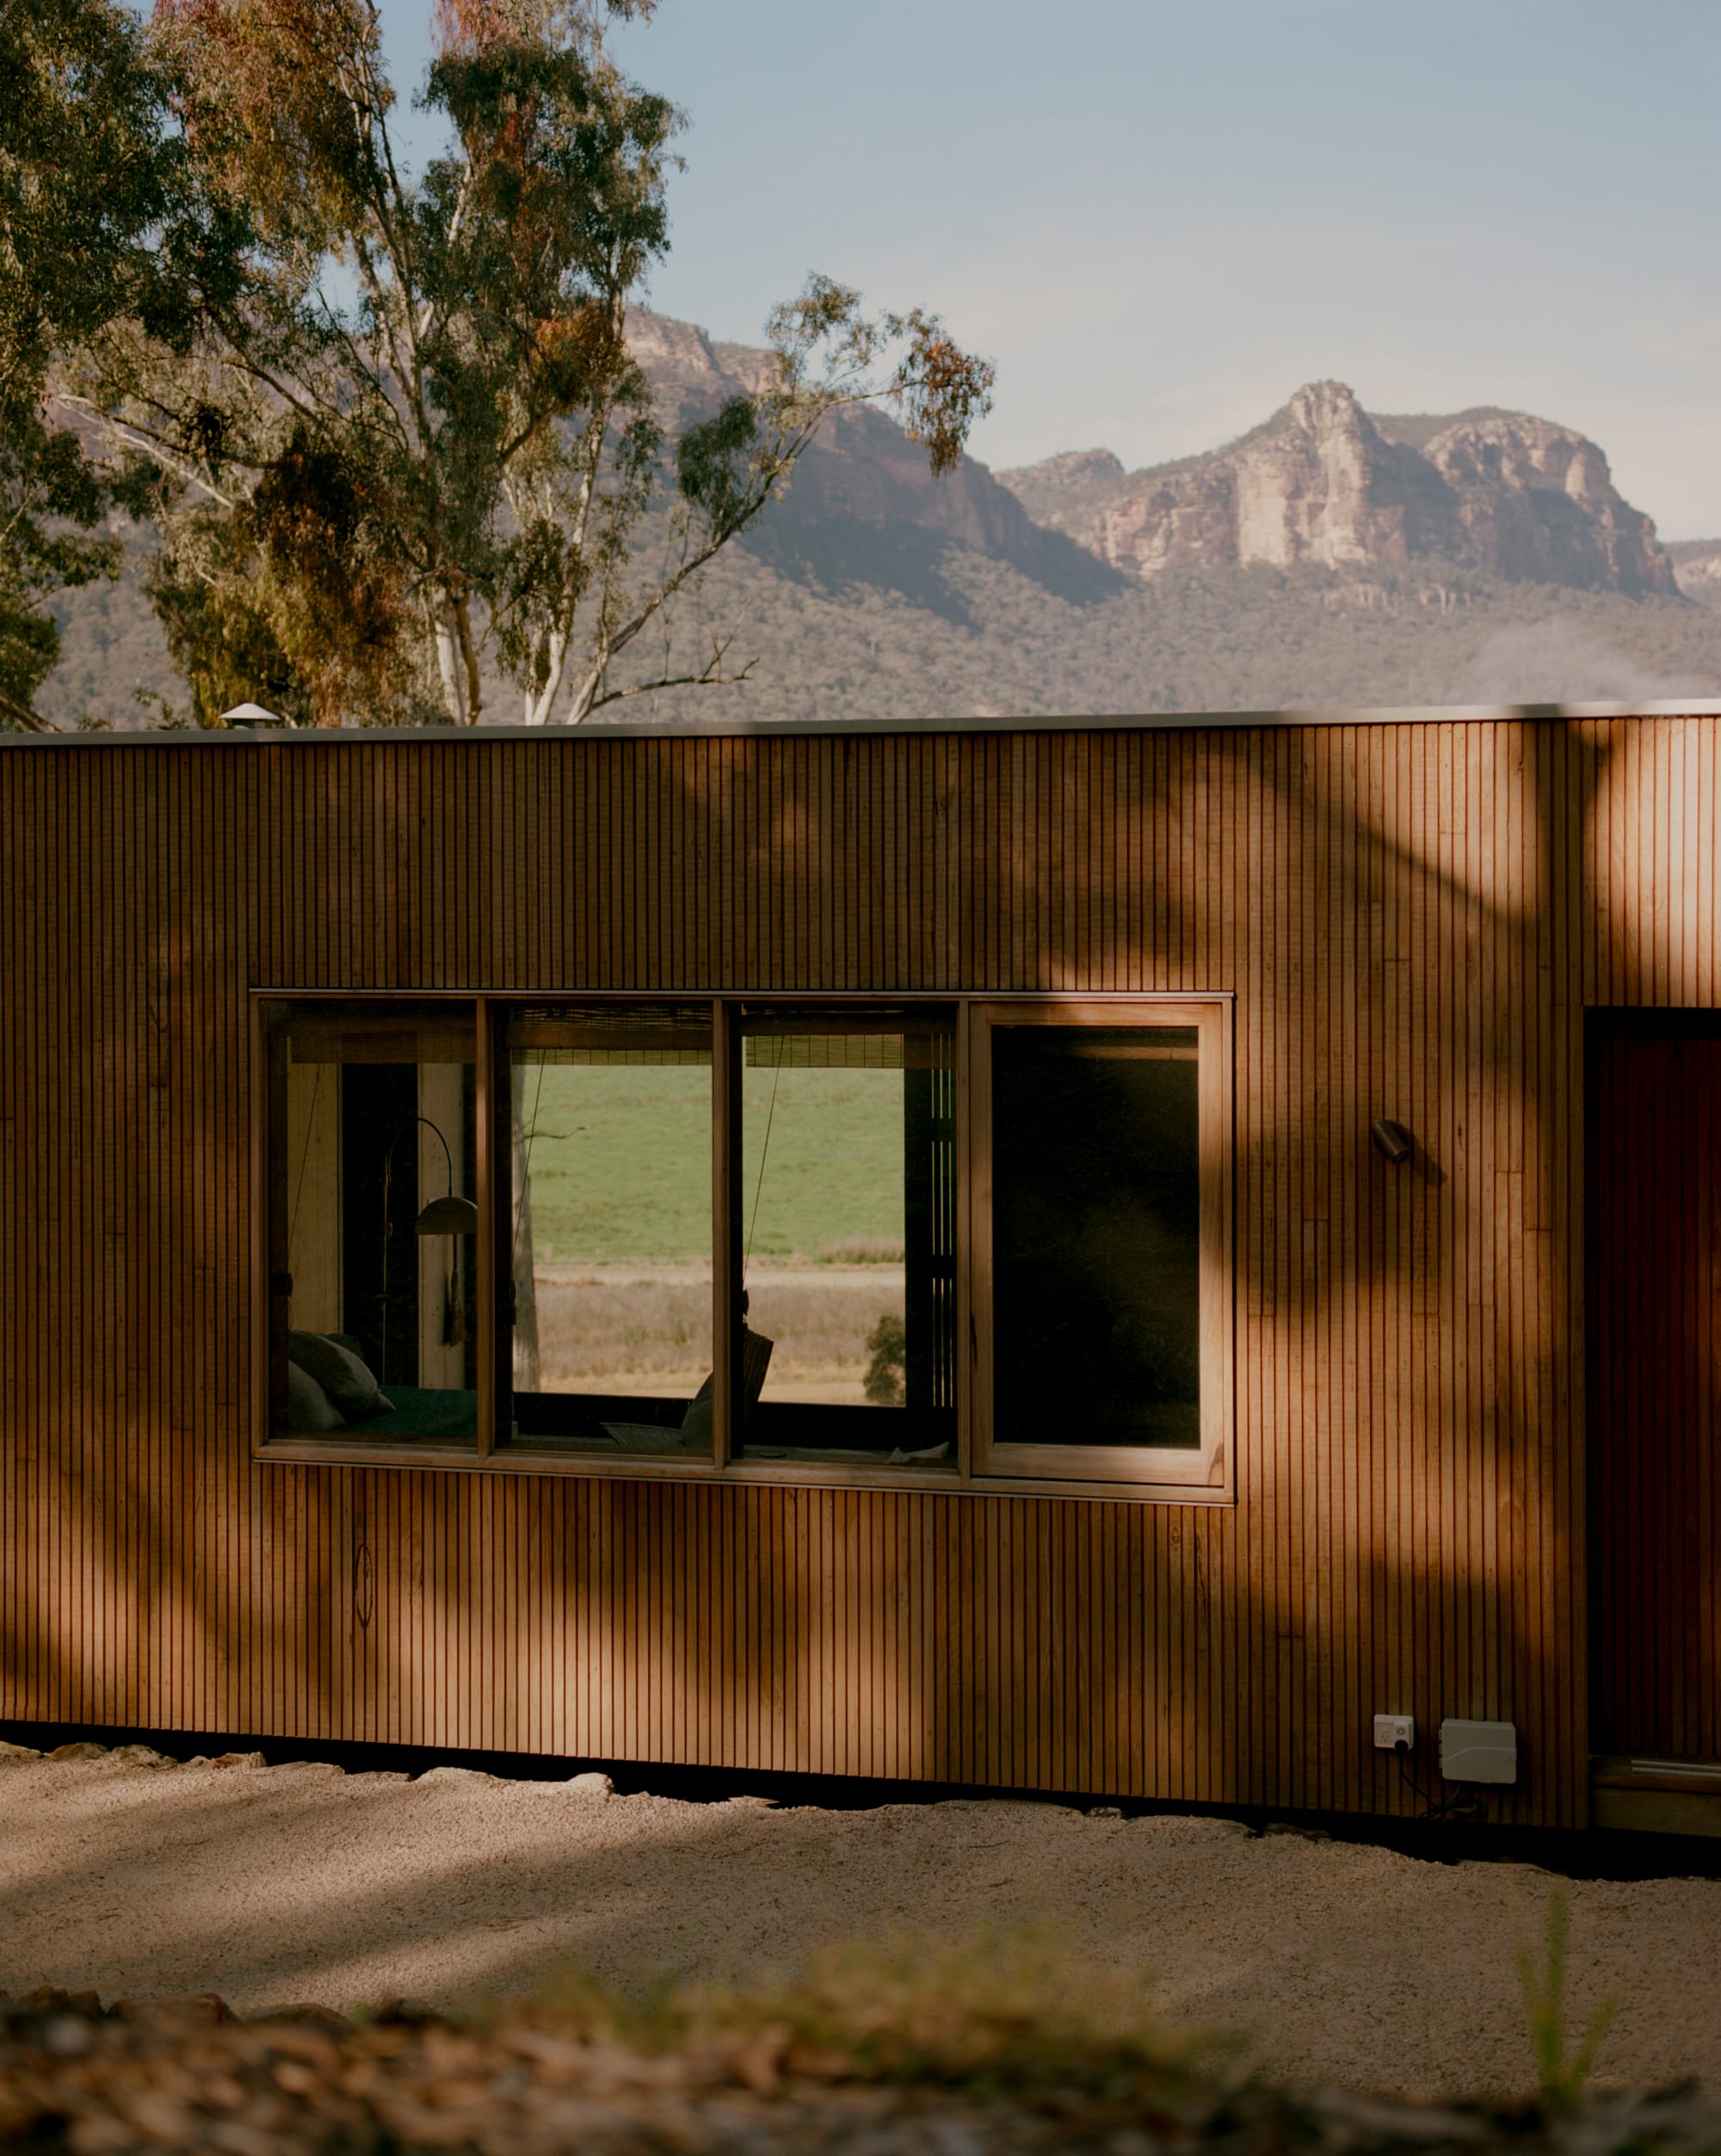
267, 1196
982, 1468
1209, 1465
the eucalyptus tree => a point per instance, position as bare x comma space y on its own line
90, 229
410, 423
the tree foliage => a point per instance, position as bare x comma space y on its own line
88, 231
408, 421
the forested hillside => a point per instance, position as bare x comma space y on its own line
949, 631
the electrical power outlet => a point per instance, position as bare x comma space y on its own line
1394, 1732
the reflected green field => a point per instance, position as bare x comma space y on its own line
621, 1163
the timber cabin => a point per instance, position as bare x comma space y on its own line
1288, 1151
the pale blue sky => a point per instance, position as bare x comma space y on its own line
1160, 218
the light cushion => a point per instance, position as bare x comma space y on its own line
343, 1375
308, 1406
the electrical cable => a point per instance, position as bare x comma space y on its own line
1435, 1811
764, 1152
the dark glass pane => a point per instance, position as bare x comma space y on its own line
1096, 1235
610, 1269
847, 1197
373, 1224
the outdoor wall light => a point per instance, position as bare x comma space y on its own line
1391, 1140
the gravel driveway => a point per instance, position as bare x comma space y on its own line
1342, 1964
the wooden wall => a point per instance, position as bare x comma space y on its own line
1413, 916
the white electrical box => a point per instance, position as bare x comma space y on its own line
1394, 1732
1478, 1751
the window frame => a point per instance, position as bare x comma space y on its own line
1157, 1468
267, 1196
496, 1205
982, 1468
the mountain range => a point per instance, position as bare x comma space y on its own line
1324, 481
1328, 556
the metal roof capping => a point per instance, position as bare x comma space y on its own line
771, 729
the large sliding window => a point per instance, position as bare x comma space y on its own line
971, 1243
608, 1227
848, 1213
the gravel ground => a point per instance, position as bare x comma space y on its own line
1343, 1965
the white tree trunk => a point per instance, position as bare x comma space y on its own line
538, 708
585, 695
451, 666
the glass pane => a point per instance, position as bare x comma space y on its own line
848, 1227
372, 1220
610, 1268
1096, 1235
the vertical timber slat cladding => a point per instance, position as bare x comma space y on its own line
1414, 918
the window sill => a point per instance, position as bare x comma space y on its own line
943, 1481
1190, 1468
399, 1452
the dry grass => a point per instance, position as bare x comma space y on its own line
610, 1330
1007, 2013
589, 1331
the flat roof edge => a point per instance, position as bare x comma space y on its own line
772, 729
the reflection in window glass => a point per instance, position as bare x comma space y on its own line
372, 1224
847, 1194
1096, 1227
611, 1265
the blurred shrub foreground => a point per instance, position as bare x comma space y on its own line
911, 2047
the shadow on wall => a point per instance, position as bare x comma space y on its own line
1409, 1531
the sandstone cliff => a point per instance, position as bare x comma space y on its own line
1323, 482
1320, 482
861, 470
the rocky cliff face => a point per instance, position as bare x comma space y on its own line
1322, 481
861, 469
